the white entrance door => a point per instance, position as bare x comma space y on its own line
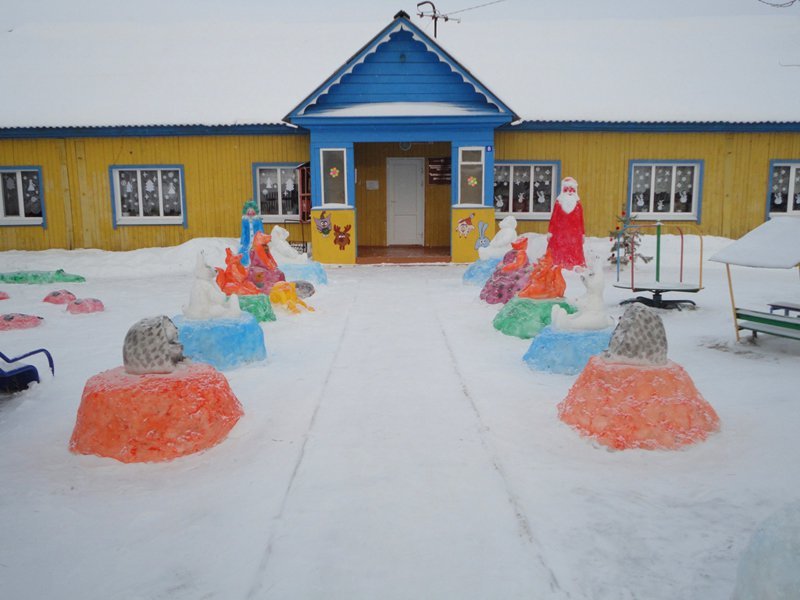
405, 201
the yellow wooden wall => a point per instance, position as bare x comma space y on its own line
77, 195
218, 177
735, 171
370, 162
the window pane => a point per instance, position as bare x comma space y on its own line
268, 190
150, 194
289, 191
502, 192
10, 195
171, 192
542, 189
471, 156
640, 189
521, 189
796, 202
471, 184
31, 201
333, 177
684, 189
662, 190
129, 193
780, 189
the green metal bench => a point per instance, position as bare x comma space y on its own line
764, 322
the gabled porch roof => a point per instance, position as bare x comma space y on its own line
401, 75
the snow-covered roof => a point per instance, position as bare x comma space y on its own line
772, 245
109, 71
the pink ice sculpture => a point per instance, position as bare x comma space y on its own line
10, 321
85, 305
59, 297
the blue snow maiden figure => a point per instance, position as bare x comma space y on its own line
482, 241
251, 224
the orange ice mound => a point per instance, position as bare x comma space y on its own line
154, 417
626, 406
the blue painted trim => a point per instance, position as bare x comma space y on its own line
772, 163
43, 224
658, 126
369, 47
115, 218
147, 131
674, 217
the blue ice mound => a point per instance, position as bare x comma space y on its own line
770, 566
478, 273
222, 343
311, 271
565, 352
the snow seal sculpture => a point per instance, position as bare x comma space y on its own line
631, 396
151, 346
157, 406
639, 339
206, 300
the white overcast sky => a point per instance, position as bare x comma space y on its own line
20, 11
251, 61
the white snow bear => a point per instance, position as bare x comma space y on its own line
591, 314
207, 301
501, 242
282, 251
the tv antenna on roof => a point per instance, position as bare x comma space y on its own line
435, 15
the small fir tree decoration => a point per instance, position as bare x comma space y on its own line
626, 244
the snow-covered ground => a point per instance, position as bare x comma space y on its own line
394, 445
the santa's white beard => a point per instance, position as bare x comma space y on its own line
568, 201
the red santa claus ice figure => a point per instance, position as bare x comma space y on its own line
565, 233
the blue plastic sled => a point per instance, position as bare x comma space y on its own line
15, 379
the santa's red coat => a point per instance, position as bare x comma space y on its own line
566, 237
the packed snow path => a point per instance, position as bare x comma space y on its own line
392, 437
394, 445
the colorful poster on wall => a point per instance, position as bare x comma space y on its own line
333, 236
472, 228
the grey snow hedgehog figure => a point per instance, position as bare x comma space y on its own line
639, 338
152, 346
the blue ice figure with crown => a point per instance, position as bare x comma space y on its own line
490, 256
251, 224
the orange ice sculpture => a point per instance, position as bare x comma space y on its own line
631, 396
233, 280
285, 292
546, 280
158, 406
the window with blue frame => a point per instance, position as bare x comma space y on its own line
525, 189
784, 190
665, 190
334, 169
151, 195
21, 193
276, 191
470, 180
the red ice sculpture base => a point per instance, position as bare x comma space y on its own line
154, 417
627, 406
